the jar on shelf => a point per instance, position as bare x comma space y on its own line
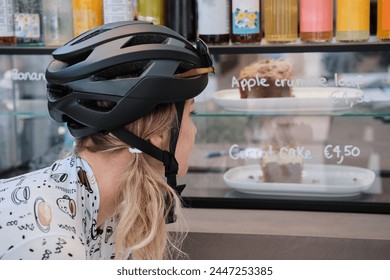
280, 21
87, 14
245, 18
7, 30
383, 20
57, 22
352, 20
181, 16
316, 20
214, 21
28, 22
151, 10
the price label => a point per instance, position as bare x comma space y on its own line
341, 152
345, 97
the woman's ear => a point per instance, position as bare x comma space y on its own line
157, 140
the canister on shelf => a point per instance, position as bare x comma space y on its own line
280, 21
57, 22
181, 16
87, 14
7, 30
245, 21
214, 21
316, 20
383, 28
353, 20
28, 22
151, 10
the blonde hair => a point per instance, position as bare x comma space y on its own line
144, 195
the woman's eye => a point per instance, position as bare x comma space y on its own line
193, 112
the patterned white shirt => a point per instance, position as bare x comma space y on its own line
51, 214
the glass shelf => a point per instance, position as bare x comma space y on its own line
372, 46
375, 105
24, 108
376, 109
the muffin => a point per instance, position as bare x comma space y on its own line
259, 79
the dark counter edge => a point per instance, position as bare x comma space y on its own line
290, 205
374, 46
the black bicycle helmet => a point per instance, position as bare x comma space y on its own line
135, 66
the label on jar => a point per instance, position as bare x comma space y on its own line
6, 19
117, 10
245, 17
27, 26
213, 17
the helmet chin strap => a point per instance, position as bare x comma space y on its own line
171, 180
166, 157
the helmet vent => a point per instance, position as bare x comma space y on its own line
97, 105
147, 38
56, 92
57, 65
93, 34
78, 57
122, 71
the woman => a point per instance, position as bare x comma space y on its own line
126, 91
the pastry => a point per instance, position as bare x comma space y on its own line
263, 79
281, 166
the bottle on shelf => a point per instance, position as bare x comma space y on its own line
7, 30
114, 10
87, 14
352, 20
280, 21
57, 22
151, 10
28, 22
245, 21
316, 20
214, 21
383, 22
181, 16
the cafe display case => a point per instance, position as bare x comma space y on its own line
336, 122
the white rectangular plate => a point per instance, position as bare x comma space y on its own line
317, 180
305, 100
